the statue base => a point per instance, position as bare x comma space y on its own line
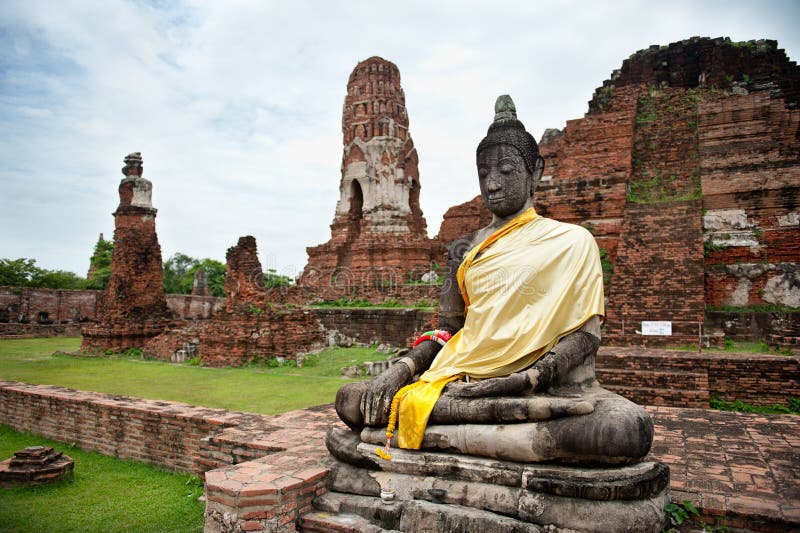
433, 491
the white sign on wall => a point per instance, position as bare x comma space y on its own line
655, 327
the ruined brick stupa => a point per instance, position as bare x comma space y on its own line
378, 233
134, 306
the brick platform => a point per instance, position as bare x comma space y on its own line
679, 378
262, 472
742, 467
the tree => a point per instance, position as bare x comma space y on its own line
273, 279
23, 272
17, 272
175, 269
100, 264
179, 274
58, 279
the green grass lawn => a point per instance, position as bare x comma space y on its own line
106, 494
112, 495
256, 389
732, 346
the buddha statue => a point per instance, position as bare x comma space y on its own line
509, 372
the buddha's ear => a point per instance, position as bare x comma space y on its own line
538, 168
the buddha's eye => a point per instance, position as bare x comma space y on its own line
507, 169
483, 172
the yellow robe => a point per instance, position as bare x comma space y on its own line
531, 283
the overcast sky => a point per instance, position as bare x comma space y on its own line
236, 105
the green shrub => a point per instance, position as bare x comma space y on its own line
133, 353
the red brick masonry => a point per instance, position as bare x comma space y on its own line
268, 468
687, 379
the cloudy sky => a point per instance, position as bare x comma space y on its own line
236, 105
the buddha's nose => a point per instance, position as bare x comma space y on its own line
493, 185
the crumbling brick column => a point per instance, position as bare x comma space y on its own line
134, 306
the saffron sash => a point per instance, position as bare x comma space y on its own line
529, 284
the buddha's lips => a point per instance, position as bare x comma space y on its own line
496, 198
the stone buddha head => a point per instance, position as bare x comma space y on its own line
509, 164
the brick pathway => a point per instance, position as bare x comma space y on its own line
746, 466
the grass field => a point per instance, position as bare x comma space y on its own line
112, 495
732, 346
106, 494
257, 389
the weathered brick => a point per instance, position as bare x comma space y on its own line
378, 235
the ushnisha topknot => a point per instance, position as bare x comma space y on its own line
507, 129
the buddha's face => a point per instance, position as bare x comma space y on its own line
504, 180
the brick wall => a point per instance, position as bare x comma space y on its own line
396, 327
758, 379
750, 158
751, 326
658, 274
278, 459
24, 304
237, 338
701, 61
191, 307
165, 434
464, 218
15, 330
351, 286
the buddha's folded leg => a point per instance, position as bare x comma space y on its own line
617, 431
503, 409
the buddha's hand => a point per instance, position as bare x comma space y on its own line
377, 399
512, 385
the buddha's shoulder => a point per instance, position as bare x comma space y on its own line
565, 230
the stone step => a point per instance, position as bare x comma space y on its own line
408, 516
784, 340
373, 511
662, 396
680, 388
634, 339
422, 516
324, 522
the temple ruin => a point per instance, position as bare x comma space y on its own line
35, 465
686, 168
378, 232
134, 306
248, 328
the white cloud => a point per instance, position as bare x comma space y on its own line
236, 106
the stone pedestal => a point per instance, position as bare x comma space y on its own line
35, 465
475, 494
